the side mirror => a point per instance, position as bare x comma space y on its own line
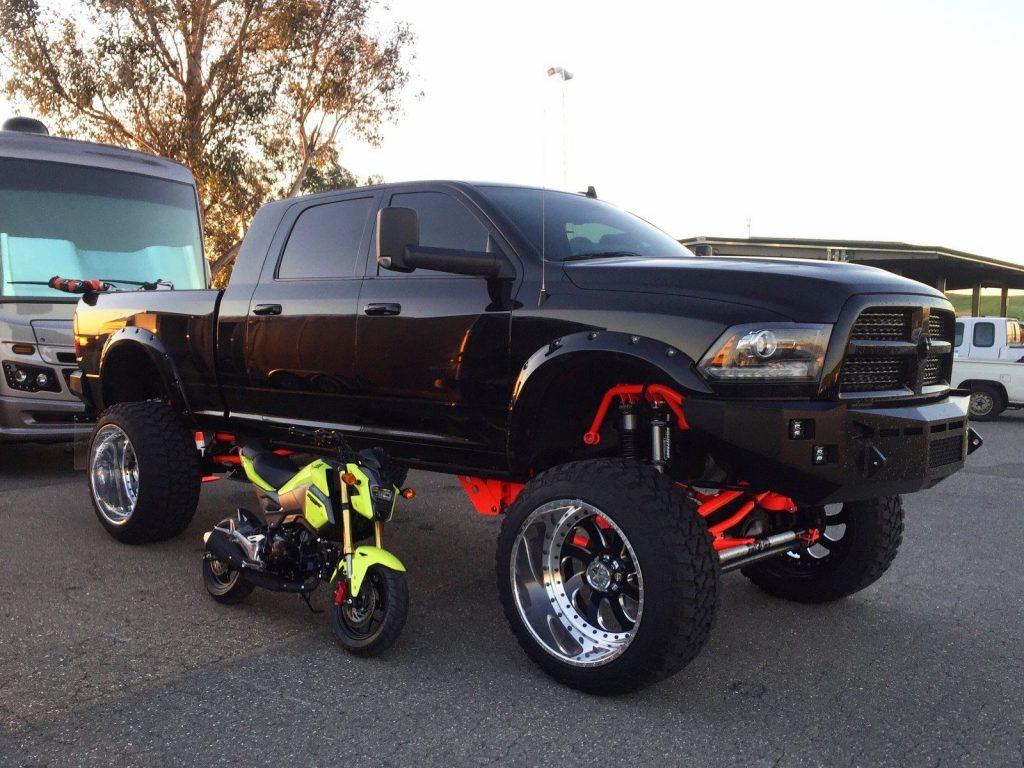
397, 229
399, 249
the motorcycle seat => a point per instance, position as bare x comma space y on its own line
276, 470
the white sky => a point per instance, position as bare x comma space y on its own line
900, 120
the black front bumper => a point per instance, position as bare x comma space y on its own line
845, 452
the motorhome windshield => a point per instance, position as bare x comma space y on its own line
83, 222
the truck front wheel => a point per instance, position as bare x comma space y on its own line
143, 472
606, 574
858, 543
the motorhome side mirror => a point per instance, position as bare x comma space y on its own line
397, 229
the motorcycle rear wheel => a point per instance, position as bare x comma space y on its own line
224, 585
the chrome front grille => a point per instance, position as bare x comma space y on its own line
897, 351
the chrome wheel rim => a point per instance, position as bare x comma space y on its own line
982, 403
114, 475
576, 583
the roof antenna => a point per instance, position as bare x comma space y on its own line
564, 76
543, 248
591, 192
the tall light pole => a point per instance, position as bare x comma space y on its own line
563, 76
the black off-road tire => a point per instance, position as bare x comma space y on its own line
169, 471
989, 393
674, 552
874, 532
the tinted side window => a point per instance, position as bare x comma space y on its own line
325, 240
959, 335
444, 221
984, 334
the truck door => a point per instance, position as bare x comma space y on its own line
300, 340
433, 348
983, 340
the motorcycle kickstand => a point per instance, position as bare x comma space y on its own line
309, 605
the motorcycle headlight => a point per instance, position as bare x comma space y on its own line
782, 353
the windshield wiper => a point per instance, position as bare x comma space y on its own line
117, 280
600, 254
151, 286
101, 279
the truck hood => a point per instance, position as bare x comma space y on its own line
802, 290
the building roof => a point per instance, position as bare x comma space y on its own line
926, 263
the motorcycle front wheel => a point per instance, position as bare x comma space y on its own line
371, 622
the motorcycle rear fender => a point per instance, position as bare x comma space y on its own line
363, 559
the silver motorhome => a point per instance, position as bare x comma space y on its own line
83, 211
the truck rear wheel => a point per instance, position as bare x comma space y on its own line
858, 543
143, 472
607, 575
987, 402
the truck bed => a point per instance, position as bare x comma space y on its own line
179, 324
1009, 375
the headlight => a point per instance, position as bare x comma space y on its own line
783, 353
30, 378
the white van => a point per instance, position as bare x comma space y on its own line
78, 210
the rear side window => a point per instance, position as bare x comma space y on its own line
1013, 336
959, 335
984, 334
325, 239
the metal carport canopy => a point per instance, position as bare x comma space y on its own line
928, 264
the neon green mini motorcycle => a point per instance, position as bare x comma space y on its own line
304, 536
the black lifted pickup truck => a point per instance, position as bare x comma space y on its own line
643, 419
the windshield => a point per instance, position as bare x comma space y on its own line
578, 227
81, 222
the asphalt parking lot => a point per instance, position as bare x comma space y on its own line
115, 655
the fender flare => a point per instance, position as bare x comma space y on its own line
675, 366
363, 558
133, 337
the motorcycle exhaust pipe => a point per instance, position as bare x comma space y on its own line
220, 546
747, 554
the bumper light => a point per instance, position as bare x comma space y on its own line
31, 378
780, 353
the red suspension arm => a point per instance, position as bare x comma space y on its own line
655, 393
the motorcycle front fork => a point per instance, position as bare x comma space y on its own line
347, 550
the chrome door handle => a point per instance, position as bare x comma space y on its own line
382, 309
